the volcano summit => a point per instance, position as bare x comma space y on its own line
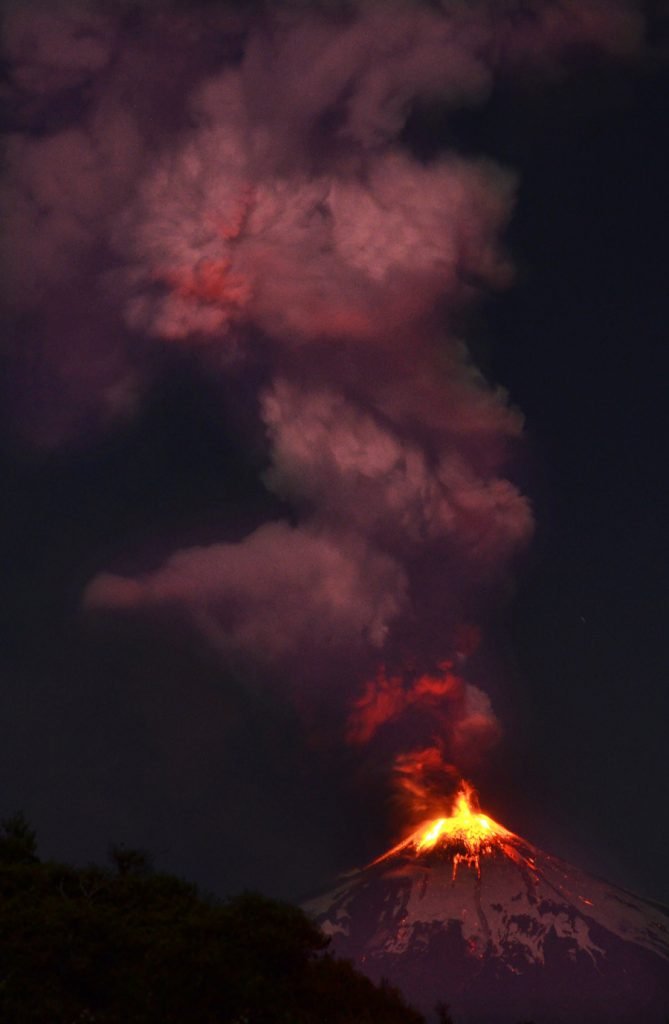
467, 913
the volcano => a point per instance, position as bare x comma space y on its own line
465, 912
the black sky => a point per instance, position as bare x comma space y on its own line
118, 731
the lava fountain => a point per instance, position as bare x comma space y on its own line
467, 832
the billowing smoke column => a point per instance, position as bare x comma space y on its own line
239, 185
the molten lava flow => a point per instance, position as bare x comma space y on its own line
465, 832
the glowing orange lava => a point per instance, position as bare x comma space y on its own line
466, 833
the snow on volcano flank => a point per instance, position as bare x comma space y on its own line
465, 911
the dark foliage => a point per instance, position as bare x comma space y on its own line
443, 1014
130, 861
139, 947
18, 841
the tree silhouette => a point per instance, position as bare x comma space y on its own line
128, 944
18, 841
129, 861
442, 1011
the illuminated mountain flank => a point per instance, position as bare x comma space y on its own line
464, 911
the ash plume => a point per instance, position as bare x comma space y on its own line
238, 186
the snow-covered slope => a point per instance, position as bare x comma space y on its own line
529, 938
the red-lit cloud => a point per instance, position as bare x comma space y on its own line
236, 184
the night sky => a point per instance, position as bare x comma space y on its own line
209, 741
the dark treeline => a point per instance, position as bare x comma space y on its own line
125, 944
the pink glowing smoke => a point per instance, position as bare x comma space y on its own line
210, 201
